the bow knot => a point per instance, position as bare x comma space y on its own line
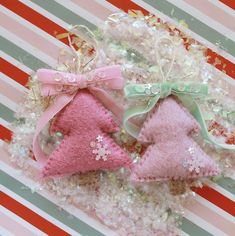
165, 89
57, 82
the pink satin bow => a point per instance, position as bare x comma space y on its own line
65, 86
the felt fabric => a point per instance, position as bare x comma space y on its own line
171, 153
86, 145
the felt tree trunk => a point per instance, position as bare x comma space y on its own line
171, 153
86, 145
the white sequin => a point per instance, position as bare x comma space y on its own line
101, 152
99, 138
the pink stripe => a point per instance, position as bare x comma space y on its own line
14, 227
11, 92
214, 12
212, 217
29, 36
94, 8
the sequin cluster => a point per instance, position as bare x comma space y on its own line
100, 149
193, 163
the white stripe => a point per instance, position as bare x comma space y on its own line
4, 232
5, 124
38, 210
16, 63
69, 208
27, 47
8, 103
203, 224
216, 25
187, 31
221, 190
215, 209
21, 221
223, 7
45, 13
233, 175
12, 83
80, 12
33, 28
108, 5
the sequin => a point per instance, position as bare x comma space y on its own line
58, 134
101, 75
191, 150
148, 86
101, 152
100, 149
99, 138
58, 77
193, 164
155, 90
71, 79
147, 89
92, 144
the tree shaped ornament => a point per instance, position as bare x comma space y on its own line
86, 145
172, 153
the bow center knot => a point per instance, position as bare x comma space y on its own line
157, 89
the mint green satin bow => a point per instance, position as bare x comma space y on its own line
186, 92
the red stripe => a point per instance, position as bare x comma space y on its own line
30, 216
225, 65
5, 134
216, 198
229, 3
14, 72
35, 18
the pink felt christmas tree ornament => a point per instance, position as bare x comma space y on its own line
172, 153
87, 145
82, 115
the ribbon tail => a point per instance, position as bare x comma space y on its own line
196, 112
130, 113
60, 102
108, 102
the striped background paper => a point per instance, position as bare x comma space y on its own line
27, 42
